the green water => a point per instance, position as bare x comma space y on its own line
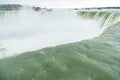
8, 7
96, 59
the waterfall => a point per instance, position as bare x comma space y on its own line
74, 45
27, 30
19, 29
105, 19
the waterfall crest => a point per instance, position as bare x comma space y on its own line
105, 19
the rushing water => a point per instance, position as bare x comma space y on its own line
105, 18
91, 59
28, 30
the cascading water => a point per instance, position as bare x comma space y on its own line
28, 30
90, 59
104, 18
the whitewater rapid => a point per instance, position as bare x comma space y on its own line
22, 31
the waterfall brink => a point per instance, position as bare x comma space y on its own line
105, 19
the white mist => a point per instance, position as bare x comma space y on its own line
29, 30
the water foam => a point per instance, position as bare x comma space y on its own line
28, 30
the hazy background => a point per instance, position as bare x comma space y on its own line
65, 3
